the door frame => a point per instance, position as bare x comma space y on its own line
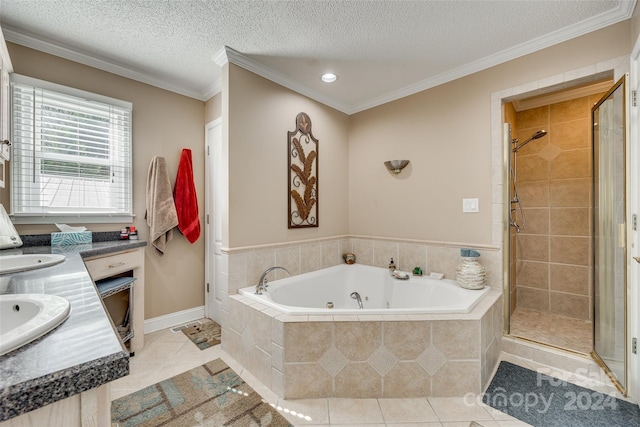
212, 309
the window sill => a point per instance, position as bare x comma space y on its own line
72, 219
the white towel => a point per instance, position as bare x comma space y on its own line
161, 211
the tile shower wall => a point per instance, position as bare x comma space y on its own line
554, 173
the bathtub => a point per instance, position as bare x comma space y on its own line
435, 339
311, 293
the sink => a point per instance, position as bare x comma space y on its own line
23, 262
25, 317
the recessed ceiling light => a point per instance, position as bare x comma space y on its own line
329, 77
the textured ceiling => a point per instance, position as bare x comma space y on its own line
380, 50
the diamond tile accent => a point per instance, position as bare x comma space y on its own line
247, 339
382, 360
431, 360
333, 361
549, 152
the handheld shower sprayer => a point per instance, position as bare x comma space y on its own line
515, 201
538, 134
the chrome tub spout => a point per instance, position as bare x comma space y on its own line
262, 282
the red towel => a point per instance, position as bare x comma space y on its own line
184, 194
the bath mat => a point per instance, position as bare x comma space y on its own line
209, 395
204, 335
541, 400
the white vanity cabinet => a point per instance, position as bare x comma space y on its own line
111, 274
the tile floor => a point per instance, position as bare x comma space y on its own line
166, 354
563, 332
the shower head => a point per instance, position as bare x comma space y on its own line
538, 134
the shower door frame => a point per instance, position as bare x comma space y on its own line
623, 383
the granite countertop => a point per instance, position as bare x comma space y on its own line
82, 353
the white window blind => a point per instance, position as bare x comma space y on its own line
71, 155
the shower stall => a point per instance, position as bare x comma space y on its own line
550, 217
566, 234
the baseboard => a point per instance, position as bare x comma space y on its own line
173, 319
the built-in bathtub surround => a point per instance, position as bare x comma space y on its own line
365, 356
246, 325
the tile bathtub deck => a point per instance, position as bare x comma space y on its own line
166, 354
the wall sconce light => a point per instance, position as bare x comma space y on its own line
396, 166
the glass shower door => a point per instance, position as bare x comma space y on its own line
609, 214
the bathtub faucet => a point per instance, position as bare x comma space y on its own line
262, 282
356, 296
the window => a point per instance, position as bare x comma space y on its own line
71, 155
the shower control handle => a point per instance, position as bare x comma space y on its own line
637, 258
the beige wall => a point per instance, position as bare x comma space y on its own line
163, 124
260, 114
445, 132
213, 108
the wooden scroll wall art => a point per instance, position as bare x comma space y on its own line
303, 174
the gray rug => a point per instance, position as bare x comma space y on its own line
543, 401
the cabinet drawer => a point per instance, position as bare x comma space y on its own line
109, 265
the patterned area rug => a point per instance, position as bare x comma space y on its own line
211, 395
205, 335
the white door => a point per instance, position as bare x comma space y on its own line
213, 219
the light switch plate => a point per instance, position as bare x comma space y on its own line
470, 205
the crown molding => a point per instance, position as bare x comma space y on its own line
622, 12
220, 57
212, 90
36, 43
234, 57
